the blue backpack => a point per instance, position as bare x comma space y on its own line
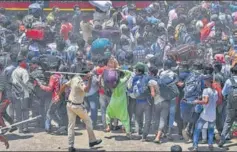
155, 49
193, 86
140, 87
99, 45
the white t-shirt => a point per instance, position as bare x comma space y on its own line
157, 98
209, 110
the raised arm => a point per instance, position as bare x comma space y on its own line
49, 87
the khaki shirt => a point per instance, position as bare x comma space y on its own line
77, 92
86, 30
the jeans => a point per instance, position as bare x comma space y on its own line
53, 114
219, 118
104, 102
131, 109
198, 128
92, 103
73, 112
39, 106
143, 108
179, 119
22, 112
172, 111
230, 118
161, 112
63, 112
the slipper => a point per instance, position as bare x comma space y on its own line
157, 141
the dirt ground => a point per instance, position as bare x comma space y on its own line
38, 140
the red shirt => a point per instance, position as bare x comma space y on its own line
53, 86
100, 71
65, 30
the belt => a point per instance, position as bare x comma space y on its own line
77, 104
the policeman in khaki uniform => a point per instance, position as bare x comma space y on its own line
75, 107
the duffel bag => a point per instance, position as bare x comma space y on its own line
35, 34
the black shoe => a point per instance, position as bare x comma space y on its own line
169, 137
117, 128
221, 143
140, 133
71, 149
25, 131
13, 129
97, 142
48, 131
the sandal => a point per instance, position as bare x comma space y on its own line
157, 141
107, 129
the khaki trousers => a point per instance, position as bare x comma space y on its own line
72, 112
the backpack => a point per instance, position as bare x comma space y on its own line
193, 86
110, 80
178, 29
167, 92
155, 49
28, 20
232, 96
140, 87
48, 61
4, 20
5, 59
98, 46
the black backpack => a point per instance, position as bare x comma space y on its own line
232, 96
48, 61
167, 92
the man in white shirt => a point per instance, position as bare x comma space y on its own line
20, 86
208, 115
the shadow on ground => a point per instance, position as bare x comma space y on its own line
123, 137
16, 137
205, 148
97, 149
56, 134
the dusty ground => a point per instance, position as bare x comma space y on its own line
116, 141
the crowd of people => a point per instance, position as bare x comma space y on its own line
136, 67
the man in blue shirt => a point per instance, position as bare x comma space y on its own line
143, 104
231, 112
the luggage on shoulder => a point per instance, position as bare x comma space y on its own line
35, 34
183, 52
